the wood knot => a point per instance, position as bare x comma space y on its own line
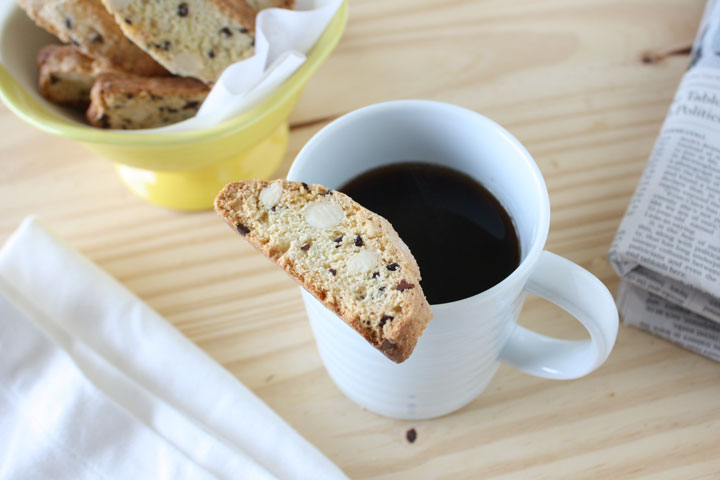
650, 58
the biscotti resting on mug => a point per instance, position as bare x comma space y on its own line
192, 38
131, 102
348, 257
87, 25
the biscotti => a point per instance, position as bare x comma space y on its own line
65, 75
193, 38
263, 4
87, 25
348, 257
126, 102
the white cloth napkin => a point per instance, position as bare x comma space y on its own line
95, 384
283, 38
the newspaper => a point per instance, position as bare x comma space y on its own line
667, 248
668, 320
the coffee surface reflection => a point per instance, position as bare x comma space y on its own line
460, 235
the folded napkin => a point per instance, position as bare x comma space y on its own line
95, 384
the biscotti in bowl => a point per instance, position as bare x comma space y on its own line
176, 170
144, 42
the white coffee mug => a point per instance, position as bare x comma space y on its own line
459, 352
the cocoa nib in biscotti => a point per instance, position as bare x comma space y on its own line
403, 285
301, 228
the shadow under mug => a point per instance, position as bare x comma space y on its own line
462, 346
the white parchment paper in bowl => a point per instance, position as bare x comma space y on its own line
283, 39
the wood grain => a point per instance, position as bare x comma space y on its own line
585, 86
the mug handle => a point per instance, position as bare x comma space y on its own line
583, 296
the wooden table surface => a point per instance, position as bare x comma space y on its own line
585, 86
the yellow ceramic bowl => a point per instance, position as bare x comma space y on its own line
177, 170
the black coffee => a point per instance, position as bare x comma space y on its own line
460, 235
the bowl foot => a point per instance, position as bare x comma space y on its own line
195, 189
